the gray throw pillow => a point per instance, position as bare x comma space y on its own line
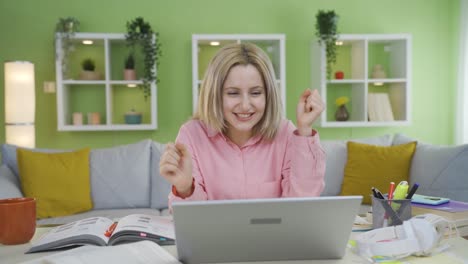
9, 184
160, 188
120, 176
337, 155
9, 156
439, 170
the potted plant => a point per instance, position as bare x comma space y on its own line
327, 34
65, 29
88, 70
139, 32
341, 113
129, 71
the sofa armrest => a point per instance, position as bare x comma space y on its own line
9, 184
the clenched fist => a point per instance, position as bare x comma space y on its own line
176, 167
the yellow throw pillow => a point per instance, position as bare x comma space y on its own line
59, 181
375, 166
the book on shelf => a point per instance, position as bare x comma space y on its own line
379, 108
141, 252
102, 231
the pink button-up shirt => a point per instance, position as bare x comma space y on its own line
289, 166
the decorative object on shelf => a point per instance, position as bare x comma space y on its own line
77, 119
133, 117
19, 103
378, 72
66, 29
341, 113
140, 32
327, 34
129, 71
88, 66
339, 75
94, 118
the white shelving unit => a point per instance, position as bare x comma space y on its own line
111, 96
203, 51
356, 57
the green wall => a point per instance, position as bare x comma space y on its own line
27, 30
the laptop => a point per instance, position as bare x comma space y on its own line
264, 229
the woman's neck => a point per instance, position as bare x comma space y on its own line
239, 138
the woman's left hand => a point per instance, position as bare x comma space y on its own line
309, 108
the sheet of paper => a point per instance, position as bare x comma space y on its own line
143, 252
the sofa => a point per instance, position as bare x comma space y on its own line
125, 179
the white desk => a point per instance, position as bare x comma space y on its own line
458, 253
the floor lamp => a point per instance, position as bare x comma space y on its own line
20, 103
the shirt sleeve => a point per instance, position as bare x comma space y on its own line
199, 192
304, 165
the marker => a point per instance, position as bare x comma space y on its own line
412, 191
399, 194
400, 191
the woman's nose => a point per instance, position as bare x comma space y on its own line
245, 104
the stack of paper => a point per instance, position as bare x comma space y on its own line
379, 108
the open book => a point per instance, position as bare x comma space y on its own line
101, 231
142, 252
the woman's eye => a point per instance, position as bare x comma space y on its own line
256, 93
232, 93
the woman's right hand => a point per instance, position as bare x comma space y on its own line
176, 167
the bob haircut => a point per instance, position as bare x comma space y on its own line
210, 104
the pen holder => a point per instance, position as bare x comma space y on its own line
390, 212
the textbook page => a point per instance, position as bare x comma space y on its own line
143, 252
140, 226
86, 231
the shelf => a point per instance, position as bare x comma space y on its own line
373, 65
110, 96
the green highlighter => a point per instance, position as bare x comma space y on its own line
400, 193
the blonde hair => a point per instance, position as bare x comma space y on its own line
210, 104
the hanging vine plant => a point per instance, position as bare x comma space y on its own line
140, 33
326, 31
66, 29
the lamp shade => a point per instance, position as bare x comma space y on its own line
20, 103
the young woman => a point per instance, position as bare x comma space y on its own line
238, 145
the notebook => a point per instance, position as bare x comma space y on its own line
431, 200
264, 229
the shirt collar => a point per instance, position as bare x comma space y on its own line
212, 133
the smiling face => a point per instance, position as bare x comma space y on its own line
244, 101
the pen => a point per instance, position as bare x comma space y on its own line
390, 191
412, 191
379, 194
389, 198
110, 230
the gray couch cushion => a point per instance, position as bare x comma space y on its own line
439, 170
160, 188
113, 214
9, 184
9, 156
336, 160
120, 176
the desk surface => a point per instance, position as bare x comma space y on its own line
456, 254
